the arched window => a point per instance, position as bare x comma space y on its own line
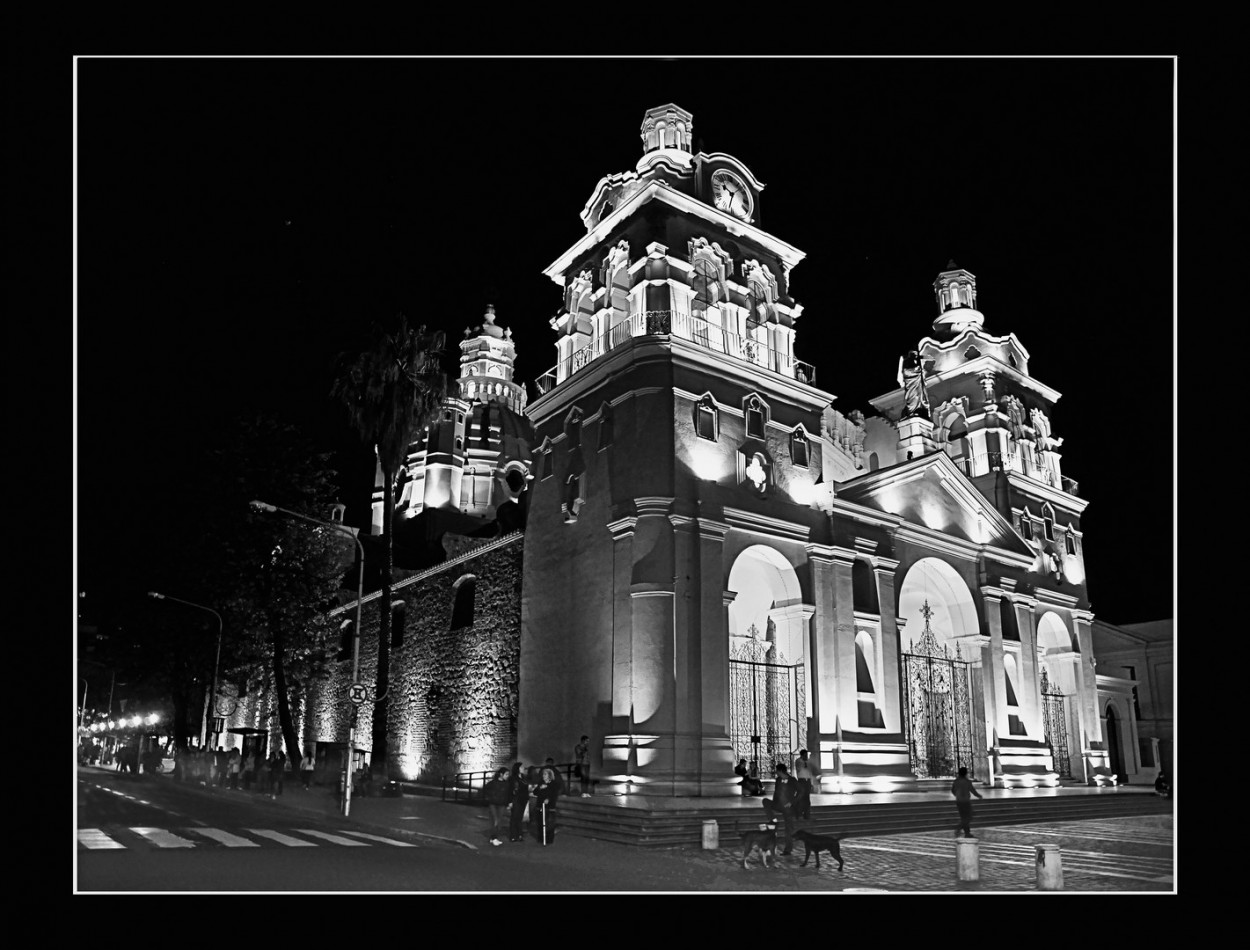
865, 689
462, 609
573, 428
799, 447
546, 463
874, 462
1069, 542
754, 418
1048, 521
1015, 725
1026, 525
707, 419
399, 617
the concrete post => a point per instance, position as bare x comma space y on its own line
1049, 868
968, 858
711, 835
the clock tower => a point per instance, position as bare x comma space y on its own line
677, 455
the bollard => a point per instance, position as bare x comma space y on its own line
1049, 868
711, 835
968, 856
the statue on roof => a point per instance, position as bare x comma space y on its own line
911, 378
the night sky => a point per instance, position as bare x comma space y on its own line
240, 222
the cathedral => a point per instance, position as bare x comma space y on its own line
680, 548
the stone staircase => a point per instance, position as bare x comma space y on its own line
672, 827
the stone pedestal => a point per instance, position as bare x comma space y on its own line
915, 437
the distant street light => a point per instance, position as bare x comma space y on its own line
360, 588
216, 663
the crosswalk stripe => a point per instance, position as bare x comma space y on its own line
398, 844
162, 838
94, 838
280, 838
332, 838
226, 838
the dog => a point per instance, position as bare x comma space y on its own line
814, 844
765, 840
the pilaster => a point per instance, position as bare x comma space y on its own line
1030, 685
884, 569
992, 661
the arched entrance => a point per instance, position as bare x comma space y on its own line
935, 610
767, 653
1054, 644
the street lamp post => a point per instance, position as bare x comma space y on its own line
216, 663
83, 710
360, 581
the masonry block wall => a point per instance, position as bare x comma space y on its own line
454, 674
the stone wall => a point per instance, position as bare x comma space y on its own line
453, 692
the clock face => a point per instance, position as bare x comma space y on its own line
729, 193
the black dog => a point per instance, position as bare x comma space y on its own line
814, 844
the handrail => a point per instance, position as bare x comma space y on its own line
473, 784
675, 323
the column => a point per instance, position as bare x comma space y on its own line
1087, 695
1030, 685
844, 636
825, 678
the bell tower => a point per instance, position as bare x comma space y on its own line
677, 428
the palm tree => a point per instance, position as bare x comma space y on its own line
392, 390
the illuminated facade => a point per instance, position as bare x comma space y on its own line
719, 565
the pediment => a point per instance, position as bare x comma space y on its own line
931, 492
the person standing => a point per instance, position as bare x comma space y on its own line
550, 785
581, 755
496, 795
234, 764
805, 774
307, 765
785, 792
277, 765
519, 797
963, 791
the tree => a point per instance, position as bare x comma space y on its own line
392, 390
275, 579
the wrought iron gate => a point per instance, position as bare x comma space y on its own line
1056, 720
766, 707
937, 698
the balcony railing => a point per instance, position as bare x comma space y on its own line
1016, 462
674, 323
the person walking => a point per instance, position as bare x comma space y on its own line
785, 793
496, 795
963, 791
519, 797
805, 774
581, 756
307, 765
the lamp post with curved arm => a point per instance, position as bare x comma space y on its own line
216, 663
360, 581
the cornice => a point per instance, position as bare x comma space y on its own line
658, 191
766, 524
1027, 485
